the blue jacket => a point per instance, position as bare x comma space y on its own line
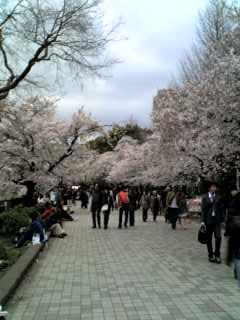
34, 228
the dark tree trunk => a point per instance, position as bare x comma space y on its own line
30, 199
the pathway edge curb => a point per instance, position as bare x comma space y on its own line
13, 277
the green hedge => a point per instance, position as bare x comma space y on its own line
3, 252
11, 221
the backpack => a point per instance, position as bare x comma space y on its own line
123, 197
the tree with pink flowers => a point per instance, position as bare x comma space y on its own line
35, 144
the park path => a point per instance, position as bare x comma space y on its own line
142, 273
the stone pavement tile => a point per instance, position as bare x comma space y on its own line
143, 273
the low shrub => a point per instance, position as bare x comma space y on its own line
11, 221
3, 252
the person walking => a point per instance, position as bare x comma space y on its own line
84, 199
123, 204
167, 199
182, 210
106, 207
145, 204
96, 206
155, 205
212, 216
111, 200
132, 206
173, 199
233, 231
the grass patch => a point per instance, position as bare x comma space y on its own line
8, 253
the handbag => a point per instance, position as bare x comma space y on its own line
104, 208
202, 235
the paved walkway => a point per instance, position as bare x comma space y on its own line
143, 273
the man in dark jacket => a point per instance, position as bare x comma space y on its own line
84, 199
212, 217
96, 206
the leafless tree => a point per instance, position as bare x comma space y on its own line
62, 32
213, 32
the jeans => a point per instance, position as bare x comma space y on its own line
237, 268
123, 209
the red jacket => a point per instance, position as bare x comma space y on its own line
123, 198
47, 213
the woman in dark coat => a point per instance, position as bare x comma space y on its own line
96, 206
233, 231
84, 199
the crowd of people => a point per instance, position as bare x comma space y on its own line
216, 211
170, 202
127, 200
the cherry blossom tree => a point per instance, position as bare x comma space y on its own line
198, 123
34, 144
126, 166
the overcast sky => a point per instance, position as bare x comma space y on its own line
158, 32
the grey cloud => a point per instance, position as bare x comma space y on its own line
157, 38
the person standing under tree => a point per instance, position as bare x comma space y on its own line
212, 217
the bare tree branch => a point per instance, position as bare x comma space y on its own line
71, 34
11, 14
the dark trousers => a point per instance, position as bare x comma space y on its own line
145, 214
84, 205
123, 209
173, 216
167, 215
96, 214
132, 217
155, 214
106, 215
214, 229
111, 205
